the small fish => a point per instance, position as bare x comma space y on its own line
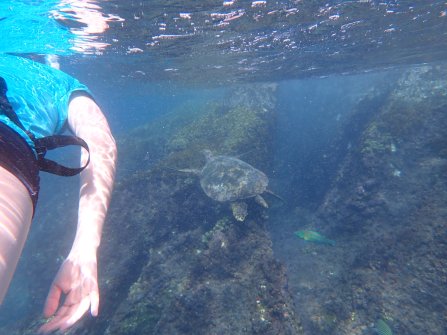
313, 236
382, 328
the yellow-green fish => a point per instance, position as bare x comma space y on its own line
382, 328
313, 236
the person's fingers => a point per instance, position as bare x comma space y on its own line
94, 300
76, 314
62, 315
62, 312
47, 327
82, 294
52, 300
64, 320
74, 307
74, 296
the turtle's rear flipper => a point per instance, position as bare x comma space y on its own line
260, 200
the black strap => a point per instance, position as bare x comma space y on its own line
42, 145
56, 141
5, 105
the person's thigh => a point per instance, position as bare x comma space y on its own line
16, 212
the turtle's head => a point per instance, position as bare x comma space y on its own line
208, 154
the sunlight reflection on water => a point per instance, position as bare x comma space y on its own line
230, 41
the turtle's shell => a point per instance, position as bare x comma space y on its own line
226, 178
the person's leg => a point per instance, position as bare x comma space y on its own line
16, 212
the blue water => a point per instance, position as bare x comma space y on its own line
311, 114
324, 55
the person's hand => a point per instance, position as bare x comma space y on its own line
77, 279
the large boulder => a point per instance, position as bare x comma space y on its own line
386, 210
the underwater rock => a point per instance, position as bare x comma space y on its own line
387, 209
228, 285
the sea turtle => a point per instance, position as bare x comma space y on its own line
229, 179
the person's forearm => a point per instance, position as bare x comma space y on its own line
97, 179
77, 277
95, 192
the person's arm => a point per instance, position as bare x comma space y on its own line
77, 277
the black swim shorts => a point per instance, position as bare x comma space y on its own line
18, 158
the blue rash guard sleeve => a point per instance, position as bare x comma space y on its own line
38, 94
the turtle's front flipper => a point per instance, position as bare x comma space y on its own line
239, 210
260, 200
